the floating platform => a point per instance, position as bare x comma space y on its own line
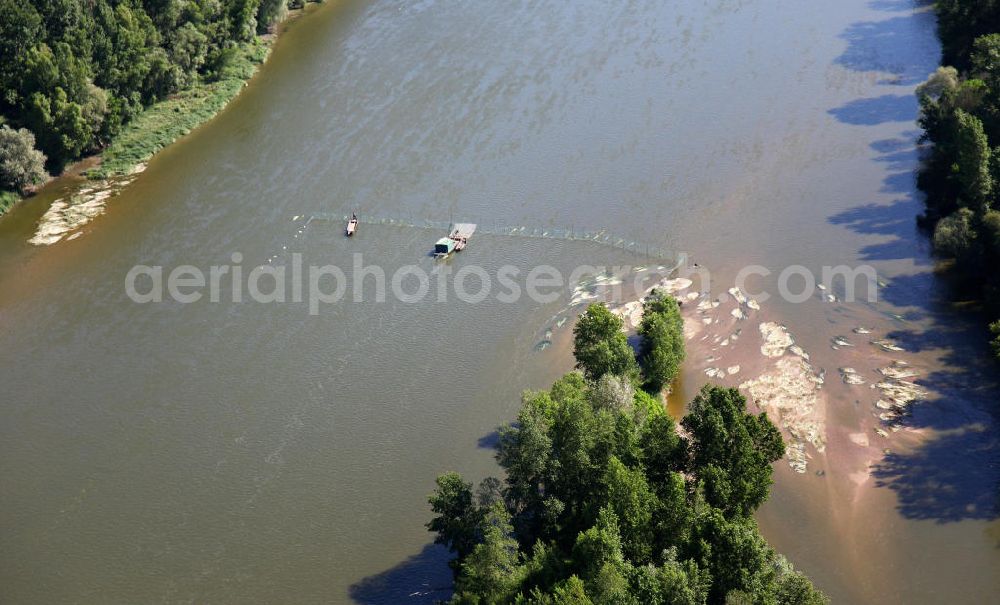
458, 237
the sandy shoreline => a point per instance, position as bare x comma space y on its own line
731, 340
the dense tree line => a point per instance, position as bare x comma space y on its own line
600, 345
960, 115
606, 502
72, 72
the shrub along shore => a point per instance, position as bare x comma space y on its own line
166, 121
118, 78
960, 115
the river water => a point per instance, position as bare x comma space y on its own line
222, 452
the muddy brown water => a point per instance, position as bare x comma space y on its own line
254, 453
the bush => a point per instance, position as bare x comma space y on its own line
21, 165
954, 236
661, 350
600, 345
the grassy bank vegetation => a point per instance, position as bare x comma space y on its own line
165, 121
960, 115
605, 501
125, 77
7, 199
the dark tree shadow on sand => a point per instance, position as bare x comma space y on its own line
955, 474
422, 579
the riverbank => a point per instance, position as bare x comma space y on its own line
156, 127
166, 121
7, 200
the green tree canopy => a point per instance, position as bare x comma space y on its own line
607, 503
600, 345
972, 163
73, 71
960, 115
21, 165
731, 450
661, 349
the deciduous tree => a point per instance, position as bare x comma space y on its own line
600, 345
21, 165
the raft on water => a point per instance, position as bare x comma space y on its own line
457, 238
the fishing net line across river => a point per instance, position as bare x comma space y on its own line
629, 268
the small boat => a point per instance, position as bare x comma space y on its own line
352, 225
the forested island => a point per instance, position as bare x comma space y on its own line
122, 77
960, 115
605, 500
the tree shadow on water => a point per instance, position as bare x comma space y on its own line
952, 478
955, 474
898, 6
489, 441
422, 579
877, 110
894, 220
903, 47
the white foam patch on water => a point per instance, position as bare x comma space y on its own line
581, 296
630, 313
797, 350
897, 395
898, 371
787, 387
859, 439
